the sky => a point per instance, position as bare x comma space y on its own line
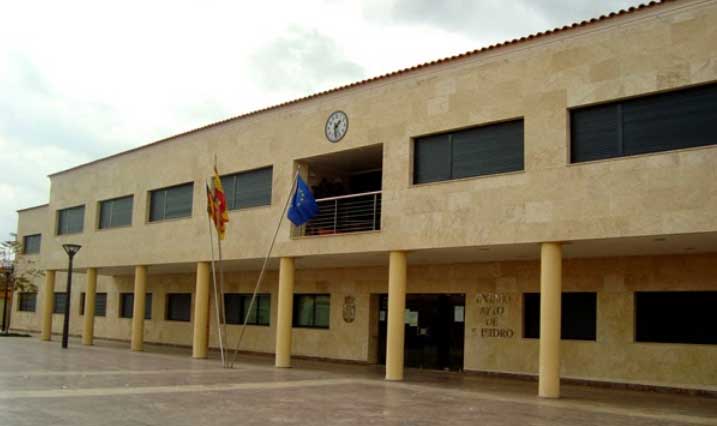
80, 80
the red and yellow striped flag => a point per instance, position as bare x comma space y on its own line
219, 205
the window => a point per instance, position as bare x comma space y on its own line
171, 203
311, 310
485, 150
248, 189
578, 320
676, 317
59, 305
179, 306
237, 305
31, 244
116, 212
70, 221
680, 119
127, 305
27, 302
100, 304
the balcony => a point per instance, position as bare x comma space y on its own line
346, 213
347, 188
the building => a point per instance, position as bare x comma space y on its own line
477, 208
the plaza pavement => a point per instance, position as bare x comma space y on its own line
106, 384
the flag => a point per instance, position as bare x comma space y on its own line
210, 205
303, 205
220, 205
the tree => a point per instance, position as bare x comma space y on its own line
17, 274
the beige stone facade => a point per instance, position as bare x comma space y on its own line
631, 224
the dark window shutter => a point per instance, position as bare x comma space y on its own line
253, 188
179, 201
595, 133
487, 150
432, 159
683, 119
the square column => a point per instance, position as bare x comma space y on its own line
397, 271
551, 260
88, 331
286, 311
48, 304
140, 289
200, 342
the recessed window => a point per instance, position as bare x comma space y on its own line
680, 119
27, 302
100, 304
484, 150
578, 319
70, 221
179, 306
676, 317
116, 212
171, 203
127, 305
236, 307
31, 244
59, 303
312, 310
248, 189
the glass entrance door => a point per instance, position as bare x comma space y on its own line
434, 331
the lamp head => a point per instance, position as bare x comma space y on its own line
71, 249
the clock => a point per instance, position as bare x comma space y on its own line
336, 126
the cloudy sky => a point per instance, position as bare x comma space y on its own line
81, 80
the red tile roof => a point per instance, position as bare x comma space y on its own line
584, 23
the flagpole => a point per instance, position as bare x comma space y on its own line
221, 290
223, 319
263, 269
214, 282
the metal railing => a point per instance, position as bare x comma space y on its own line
346, 213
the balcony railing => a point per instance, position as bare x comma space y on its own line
346, 213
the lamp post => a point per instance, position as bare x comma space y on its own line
8, 275
71, 250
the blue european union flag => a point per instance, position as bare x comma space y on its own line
303, 205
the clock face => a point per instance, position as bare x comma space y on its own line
336, 126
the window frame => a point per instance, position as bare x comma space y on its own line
82, 304
58, 230
295, 315
164, 210
112, 200
21, 300
619, 105
167, 311
235, 178
243, 299
563, 295
450, 134
671, 294
25, 245
55, 295
147, 306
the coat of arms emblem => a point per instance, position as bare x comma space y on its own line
349, 310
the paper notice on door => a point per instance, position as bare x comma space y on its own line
382, 316
411, 318
458, 313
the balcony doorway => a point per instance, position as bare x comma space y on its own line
347, 187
